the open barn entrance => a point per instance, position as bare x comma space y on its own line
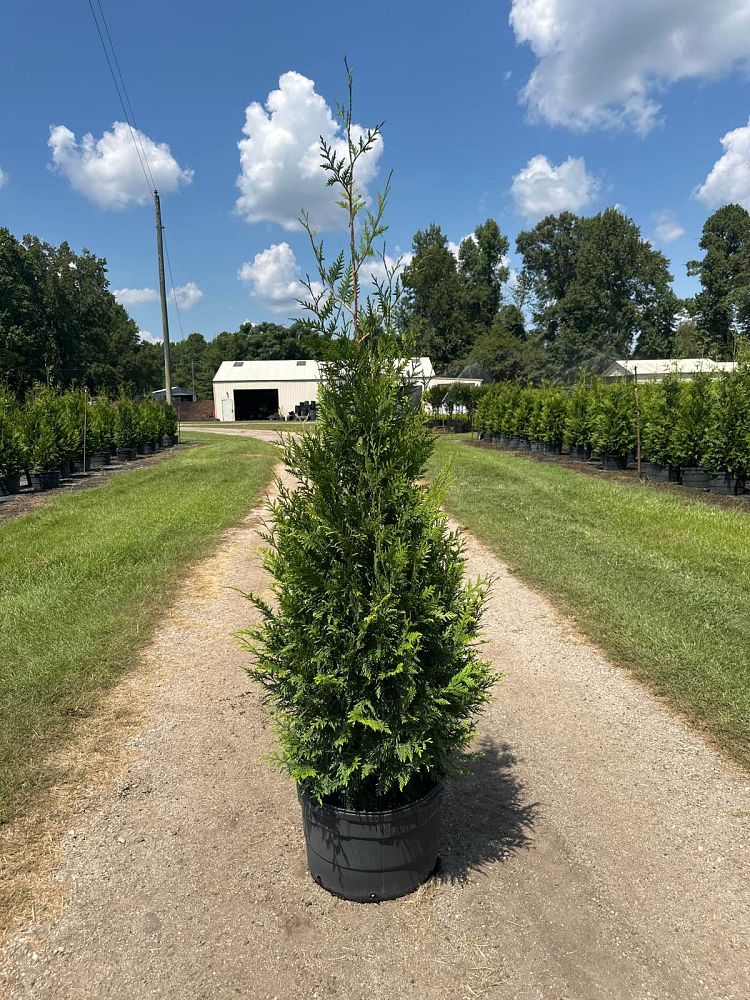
255, 404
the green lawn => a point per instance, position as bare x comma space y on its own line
662, 583
296, 426
86, 576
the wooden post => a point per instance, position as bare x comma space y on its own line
637, 423
163, 296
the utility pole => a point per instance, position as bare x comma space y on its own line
163, 296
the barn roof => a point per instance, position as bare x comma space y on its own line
293, 371
664, 366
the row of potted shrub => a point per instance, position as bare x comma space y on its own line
52, 433
693, 432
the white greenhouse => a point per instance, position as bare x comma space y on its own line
260, 390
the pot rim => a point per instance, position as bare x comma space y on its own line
366, 813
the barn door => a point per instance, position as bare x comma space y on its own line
226, 409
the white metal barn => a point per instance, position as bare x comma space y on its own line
257, 390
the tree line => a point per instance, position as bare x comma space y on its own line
588, 290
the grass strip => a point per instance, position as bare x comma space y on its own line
660, 582
85, 578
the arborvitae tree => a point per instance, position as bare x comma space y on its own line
41, 430
660, 404
692, 421
12, 441
728, 435
368, 655
554, 413
614, 420
579, 419
126, 423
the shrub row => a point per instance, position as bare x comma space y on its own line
52, 429
702, 424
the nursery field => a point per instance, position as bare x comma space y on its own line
661, 583
86, 576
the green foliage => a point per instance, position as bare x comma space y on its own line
660, 403
100, 434
723, 304
149, 421
614, 429
553, 416
60, 322
42, 438
728, 437
596, 287
692, 422
368, 655
171, 419
126, 423
12, 440
579, 420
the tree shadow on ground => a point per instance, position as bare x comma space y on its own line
486, 818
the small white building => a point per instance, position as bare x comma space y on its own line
656, 370
258, 390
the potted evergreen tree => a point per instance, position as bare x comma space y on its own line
171, 423
554, 413
126, 429
728, 436
690, 432
614, 425
368, 656
100, 432
12, 444
661, 403
41, 441
579, 418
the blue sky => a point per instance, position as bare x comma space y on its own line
562, 106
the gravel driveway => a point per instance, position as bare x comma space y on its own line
598, 851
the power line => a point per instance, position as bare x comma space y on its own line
144, 166
135, 133
174, 291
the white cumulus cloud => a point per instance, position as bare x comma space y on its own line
3, 177
602, 63
541, 188
149, 338
108, 172
280, 158
729, 178
187, 295
135, 296
667, 228
274, 278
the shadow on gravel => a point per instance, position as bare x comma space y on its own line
486, 817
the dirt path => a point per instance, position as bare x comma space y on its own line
599, 850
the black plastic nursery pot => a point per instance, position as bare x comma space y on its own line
726, 485
100, 458
174, 439
696, 479
65, 469
149, 448
126, 454
614, 463
368, 857
659, 473
41, 481
78, 464
10, 485
140, 449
